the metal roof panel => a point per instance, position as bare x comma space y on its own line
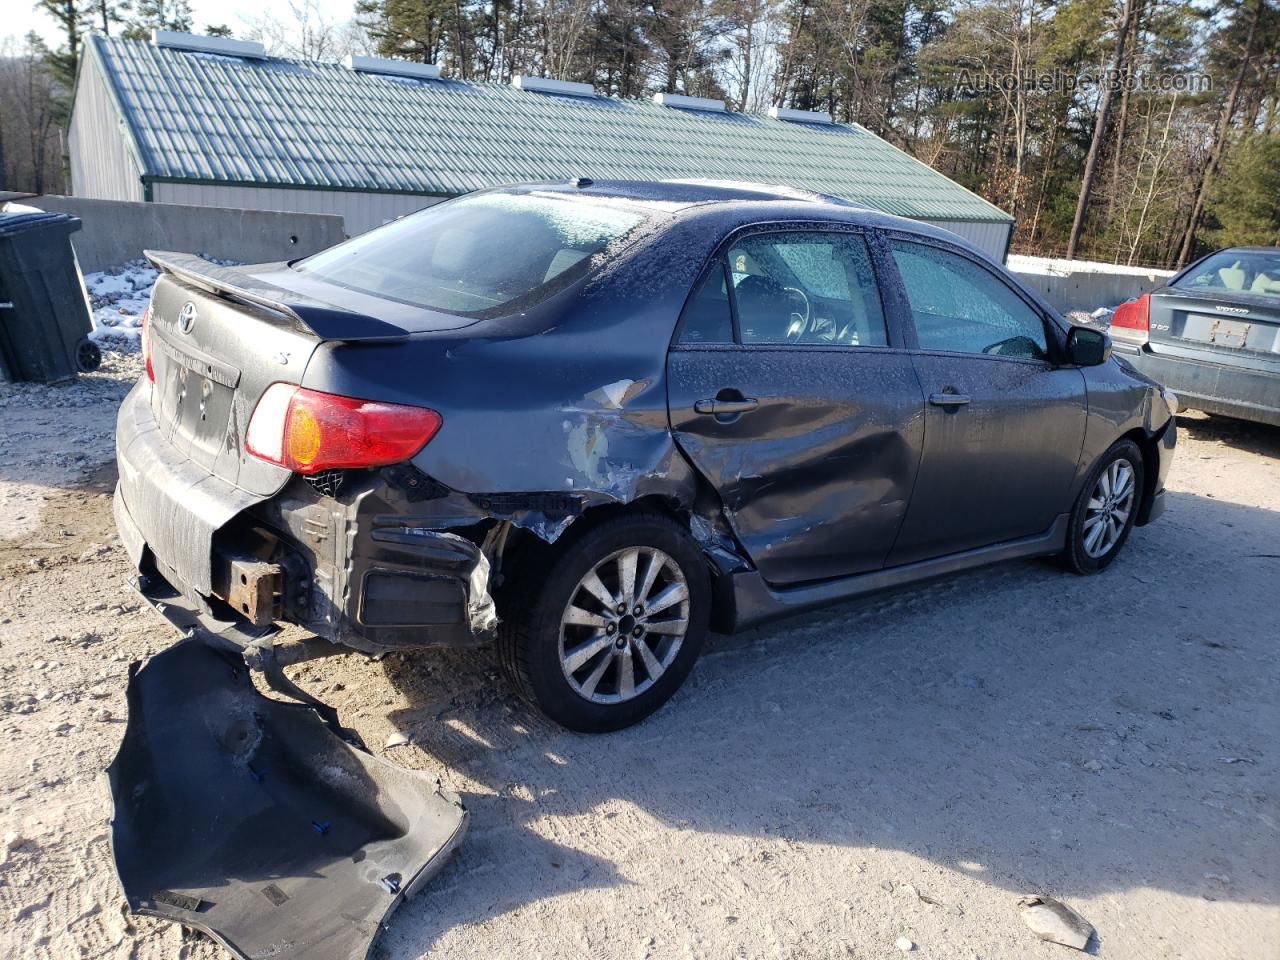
300, 123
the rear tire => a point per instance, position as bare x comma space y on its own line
579, 660
1105, 511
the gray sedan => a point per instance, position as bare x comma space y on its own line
610, 417
1212, 334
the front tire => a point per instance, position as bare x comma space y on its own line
1105, 511
608, 632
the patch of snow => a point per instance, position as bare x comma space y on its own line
406, 81
1056, 267
200, 55
14, 207
108, 285
118, 298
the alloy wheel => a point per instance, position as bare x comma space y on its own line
624, 624
1108, 508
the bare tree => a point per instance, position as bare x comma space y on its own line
1123, 29
1225, 118
30, 109
306, 32
564, 24
755, 27
1158, 159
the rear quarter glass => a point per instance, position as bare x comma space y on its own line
481, 256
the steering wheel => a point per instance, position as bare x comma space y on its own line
799, 324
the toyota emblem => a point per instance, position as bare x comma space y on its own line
187, 318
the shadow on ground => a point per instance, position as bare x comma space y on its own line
1032, 728
1259, 438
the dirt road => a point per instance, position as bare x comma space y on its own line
900, 767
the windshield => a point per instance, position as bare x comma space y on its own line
1241, 271
479, 256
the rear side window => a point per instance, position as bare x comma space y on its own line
481, 256
707, 317
789, 288
806, 288
961, 307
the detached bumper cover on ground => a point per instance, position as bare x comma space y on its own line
253, 820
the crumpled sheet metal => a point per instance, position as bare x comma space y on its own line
252, 820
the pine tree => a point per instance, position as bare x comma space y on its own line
152, 15
72, 18
1243, 206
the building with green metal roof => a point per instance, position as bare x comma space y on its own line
216, 122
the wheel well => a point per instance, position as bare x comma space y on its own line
592, 517
1150, 468
525, 550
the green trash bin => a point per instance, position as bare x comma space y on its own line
44, 312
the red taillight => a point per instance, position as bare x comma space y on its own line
1132, 320
306, 431
146, 343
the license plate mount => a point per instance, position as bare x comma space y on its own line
1220, 331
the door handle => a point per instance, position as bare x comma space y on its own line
719, 408
948, 399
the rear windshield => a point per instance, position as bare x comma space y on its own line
482, 256
1241, 271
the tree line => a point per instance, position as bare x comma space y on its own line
1133, 131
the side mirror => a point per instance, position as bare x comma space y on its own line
1087, 347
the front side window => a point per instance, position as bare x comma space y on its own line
961, 307
1238, 271
481, 256
806, 288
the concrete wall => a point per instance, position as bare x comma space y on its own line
113, 231
360, 211
1082, 285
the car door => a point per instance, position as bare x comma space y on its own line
797, 401
1004, 422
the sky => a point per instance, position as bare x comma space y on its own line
23, 16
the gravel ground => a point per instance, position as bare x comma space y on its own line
905, 766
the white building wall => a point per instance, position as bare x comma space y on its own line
103, 166
364, 211
361, 211
991, 238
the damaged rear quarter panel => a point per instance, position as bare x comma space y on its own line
567, 398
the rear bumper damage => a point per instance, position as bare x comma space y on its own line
256, 819
262, 822
374, 560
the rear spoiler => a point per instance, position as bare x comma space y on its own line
322, 319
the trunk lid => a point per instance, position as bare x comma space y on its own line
219, 338
1240, 329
